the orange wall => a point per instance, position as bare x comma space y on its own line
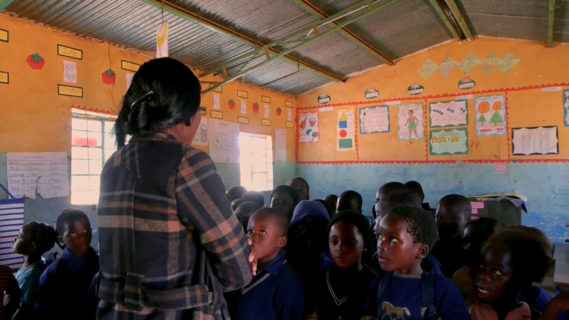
36, 119
527, 107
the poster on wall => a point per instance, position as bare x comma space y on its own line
447, 142
43, 174
346, 130
410, 120
374, 120
490, 115
566, 106
200, 139
535, 141
69, 71
280, 145
308, 127
223, 141
448, 113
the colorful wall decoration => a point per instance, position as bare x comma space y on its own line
566, 106
490, 115
308, 127
447, 142
448, 113
410, 120
345, 135
374, 119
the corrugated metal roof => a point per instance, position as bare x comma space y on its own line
397, 30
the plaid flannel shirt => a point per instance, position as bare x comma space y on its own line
169, 242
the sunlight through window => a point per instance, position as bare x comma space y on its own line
256, 161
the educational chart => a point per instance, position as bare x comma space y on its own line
446, 142
410, 120
280, 145
448, 113
490, 115
308, 127
346, 130
36, 175
535, 141
566, 106
374, 119
223, 141
11, 219
200, 139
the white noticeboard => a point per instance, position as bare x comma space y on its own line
43, 173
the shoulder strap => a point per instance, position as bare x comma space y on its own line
428, 294
385, 277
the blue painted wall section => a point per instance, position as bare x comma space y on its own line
545, 184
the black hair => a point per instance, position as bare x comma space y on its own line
300, 179
393, 187
163, 93
460, 204
254, 196
244, 212
282, 218
68, 216
529, 259
286, 189
235, 203
415, 187
360, 221
43, 235
345, 199
400, 199
235, 192
485, 225
421, 225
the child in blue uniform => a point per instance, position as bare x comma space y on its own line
406, 235
276, 291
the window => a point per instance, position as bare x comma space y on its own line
91, 144
256, 161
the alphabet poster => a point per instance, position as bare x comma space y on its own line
446, 142
411, 125
374, 119
308, 127
566, 106
490, 115
448, 113
223, 141
346, 130
535, 141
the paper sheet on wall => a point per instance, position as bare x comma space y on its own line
200, 139
374, 119
128, 78
533, 141
243, 106
12, 217
288, 114
454, 141
69, 71
280, 145
45, 173
566, 106
308, 127
216, 101
448, 113
223, 141
410, 120
267, 110
162, 40
490, 115
346, 124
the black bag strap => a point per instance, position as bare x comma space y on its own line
428, 294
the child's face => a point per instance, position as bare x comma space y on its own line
23, 245
77, 237
301, 189
346, 245
397, 249
450, 223
265, 237
282, 200
308, 236
493, 279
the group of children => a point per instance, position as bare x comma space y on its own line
410, 262
323, 259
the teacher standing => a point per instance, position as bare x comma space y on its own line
169, 243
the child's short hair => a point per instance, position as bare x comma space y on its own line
286, 189
43, 235
70, 215
529, 258
281, 218
460, 204
254, 196
415, 187
400, 199
360, 221
344, 201
393, 187
235, 192
244, 212
421, 225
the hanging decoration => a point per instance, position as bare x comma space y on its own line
255, 107
35, 61
371, 93
162, 40
109, 76
279, 111
415, 89
324, 99
231, 104
466, 83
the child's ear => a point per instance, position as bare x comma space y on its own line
283, 240
422, 251
60, 242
